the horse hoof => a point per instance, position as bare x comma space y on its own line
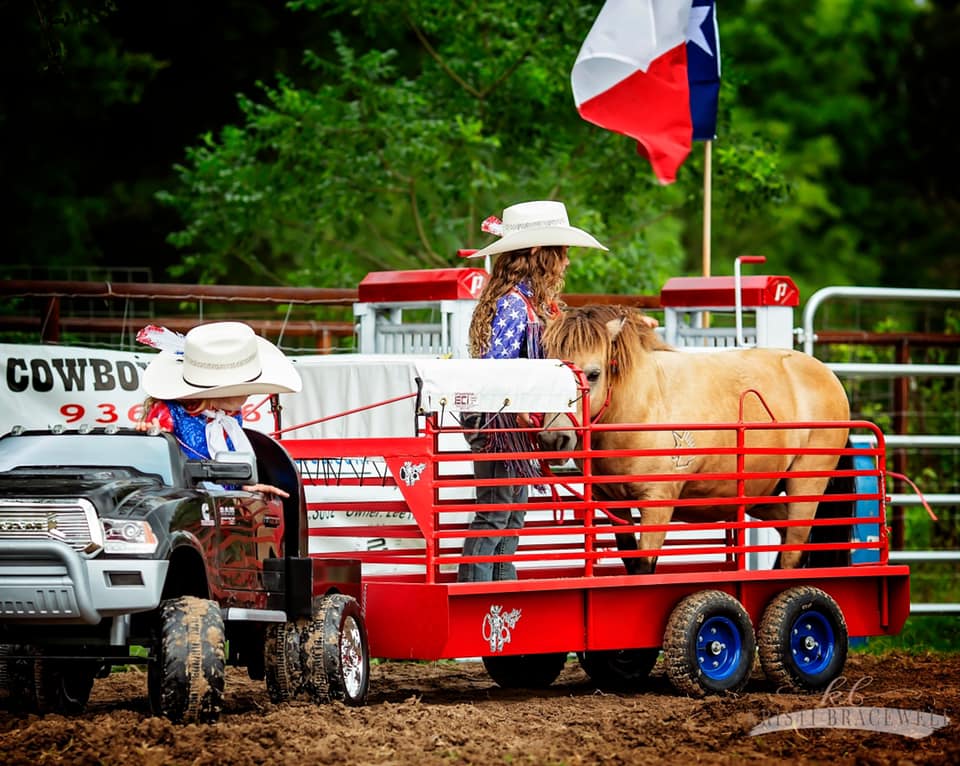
638, 567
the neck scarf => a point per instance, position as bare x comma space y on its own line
221, 426
190, 428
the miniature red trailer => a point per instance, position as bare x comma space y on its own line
399, 503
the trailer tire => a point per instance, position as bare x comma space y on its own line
618, 668
185, 679
336, 653
708, 645
802, 639
283, 669
525, 671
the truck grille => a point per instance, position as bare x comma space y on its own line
73, 522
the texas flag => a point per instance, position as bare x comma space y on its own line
650, 69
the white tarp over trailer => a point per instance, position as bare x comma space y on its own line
349, 384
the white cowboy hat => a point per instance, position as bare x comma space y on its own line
221, 359
536, 224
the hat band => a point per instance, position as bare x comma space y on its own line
237, 364
220, 385
509, 228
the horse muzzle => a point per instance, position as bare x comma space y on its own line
557, 440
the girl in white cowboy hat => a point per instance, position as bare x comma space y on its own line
525, 281
523, 293
198, 384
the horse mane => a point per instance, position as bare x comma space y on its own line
588, 327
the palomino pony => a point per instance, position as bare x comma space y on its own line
634, 377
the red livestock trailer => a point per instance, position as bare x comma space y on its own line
399, 502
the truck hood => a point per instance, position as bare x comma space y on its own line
106, 488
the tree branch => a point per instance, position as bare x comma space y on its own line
440, 62
418, 221
479, 94
506, 73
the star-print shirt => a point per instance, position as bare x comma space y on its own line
188, 427
516, 329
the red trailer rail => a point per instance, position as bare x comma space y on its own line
401, 505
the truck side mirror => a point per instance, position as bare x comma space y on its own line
225, 468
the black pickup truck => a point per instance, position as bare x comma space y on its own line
116, 549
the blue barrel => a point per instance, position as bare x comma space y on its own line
870, 532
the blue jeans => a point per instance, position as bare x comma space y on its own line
494, 520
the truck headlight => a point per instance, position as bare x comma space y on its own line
127, 536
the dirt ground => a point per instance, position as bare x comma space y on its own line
452, 713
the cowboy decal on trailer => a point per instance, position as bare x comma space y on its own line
497, 625
410, 472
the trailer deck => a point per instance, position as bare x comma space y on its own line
401, 504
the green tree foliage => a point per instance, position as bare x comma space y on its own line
824, 82
421, 123
423, 117
407, 122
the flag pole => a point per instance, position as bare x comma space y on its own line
707, 170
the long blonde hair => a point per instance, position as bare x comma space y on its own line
191, 405
541, 268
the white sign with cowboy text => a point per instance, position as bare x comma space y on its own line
72, 386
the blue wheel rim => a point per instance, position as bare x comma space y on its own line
719, 646
812, 643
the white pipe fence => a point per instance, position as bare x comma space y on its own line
807, 335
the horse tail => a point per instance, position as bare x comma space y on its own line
834, 509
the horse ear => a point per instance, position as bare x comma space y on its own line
614, 326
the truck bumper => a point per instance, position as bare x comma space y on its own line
47, 581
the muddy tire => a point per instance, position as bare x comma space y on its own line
16, 680
802, 639
283, 668
185, 679
335, 653
618, 668
709, 646
525, 671
36, 684
62, 686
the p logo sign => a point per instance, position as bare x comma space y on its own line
476, 284
784, 293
